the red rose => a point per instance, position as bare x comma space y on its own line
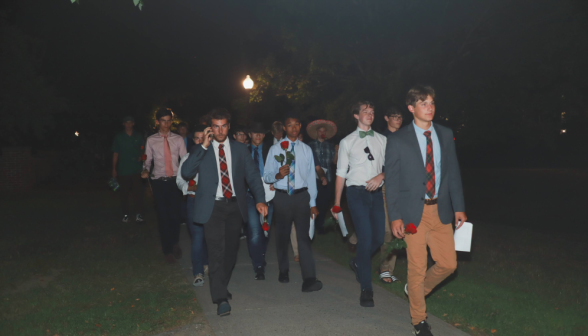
142, 147
285, 145
410, 228
144, 157
191, 183
265, 226
336, 209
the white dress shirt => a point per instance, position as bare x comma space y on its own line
353, 163
227, 148
180, 182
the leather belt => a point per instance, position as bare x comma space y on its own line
224, 199
363, 188
431, 201
165, 178
297, 191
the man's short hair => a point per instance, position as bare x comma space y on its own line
356, 108
277, 127
183, 124
419, 92
199, 128
219, 113
393, 111
163, 112
239, 128
291, 115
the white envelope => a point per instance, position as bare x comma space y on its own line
342, 224
463, 237
311, 230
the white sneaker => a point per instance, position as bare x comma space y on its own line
125, 219
139, 218
406, 289
198, 280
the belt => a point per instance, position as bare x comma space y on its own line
224, 199
165, 178
297, 191
431, 201
363, 188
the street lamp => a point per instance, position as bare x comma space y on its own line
248, 83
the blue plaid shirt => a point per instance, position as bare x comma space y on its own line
324, 152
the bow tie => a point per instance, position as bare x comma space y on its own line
362, 134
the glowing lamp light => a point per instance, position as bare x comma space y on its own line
77, 134
563, 131
248, 83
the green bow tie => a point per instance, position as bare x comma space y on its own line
362, 134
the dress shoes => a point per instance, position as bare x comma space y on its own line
311, 285
223, 309
284, 277
366, 299
260, 274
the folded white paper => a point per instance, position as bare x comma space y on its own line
269, 194
311, 231
261, 220
463, 237
342, 224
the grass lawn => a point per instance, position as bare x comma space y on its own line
516, 280
71, 267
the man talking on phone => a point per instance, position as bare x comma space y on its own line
225, 168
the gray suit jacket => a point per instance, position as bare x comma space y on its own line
203, 162
406, 177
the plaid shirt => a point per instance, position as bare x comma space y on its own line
325, 152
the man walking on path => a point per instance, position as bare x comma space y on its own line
127, 149
224, 168
424, 188
295, 200
256, 239
361, 160
321, 131
165, 149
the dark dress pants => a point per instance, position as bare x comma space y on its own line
168, 199
131, 186
288, 209
323, 199
221, 233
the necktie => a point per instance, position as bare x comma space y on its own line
362, 134
169, 169
225, 179
430, 166
291, 181
256, 156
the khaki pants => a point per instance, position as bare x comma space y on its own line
387, 261
439, 238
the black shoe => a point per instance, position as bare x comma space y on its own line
223, 309
229, 295
366, 299
422, 329
353, 267
259, 274
284, 278
312, 285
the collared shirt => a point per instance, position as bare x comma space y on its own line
275, 140
155, 153
325, 152
227, 148
387, 132
259, 150
129, 149
304, 171
436, 152
353, 163
181, 183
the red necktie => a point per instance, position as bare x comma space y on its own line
430, 167
226, 180
169, 169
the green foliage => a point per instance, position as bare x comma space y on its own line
280, 158
395, 244
289, 157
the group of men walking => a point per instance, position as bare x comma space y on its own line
228, 183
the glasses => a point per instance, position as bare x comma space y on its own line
367, 151
396, 117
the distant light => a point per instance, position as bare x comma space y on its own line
248, 83
563, 131
446, 118
77, 134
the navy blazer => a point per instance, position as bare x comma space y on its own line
406, 177
204, 162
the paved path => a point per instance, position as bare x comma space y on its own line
271, 308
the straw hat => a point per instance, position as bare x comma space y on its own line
328, 125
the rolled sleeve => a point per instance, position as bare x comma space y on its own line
343, 162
